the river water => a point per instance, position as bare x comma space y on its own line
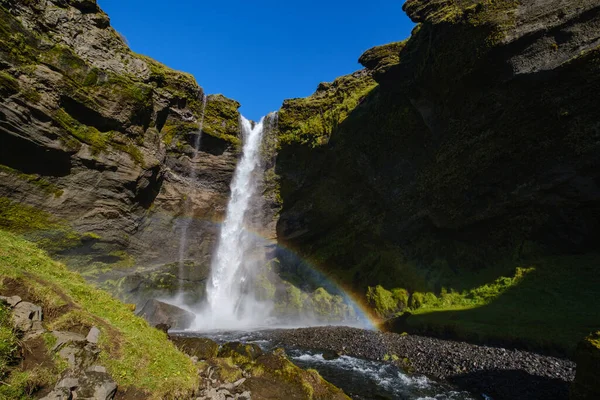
359, 378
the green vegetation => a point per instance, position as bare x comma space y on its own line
87, 134
177, 130
544, 306
311, 120
221, 119
17, 43
35, 180
135, 354
387, 303
9, 343
15, 383
8, 84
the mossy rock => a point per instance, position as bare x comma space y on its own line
8, 84
380, 58
202, 348
249, 351
311, 120
221, 119
275, 377
586, 385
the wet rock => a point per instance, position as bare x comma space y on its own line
503, 374
331, 354
202, 348
156, 312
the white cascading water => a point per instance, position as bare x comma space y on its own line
186, 221
230, 302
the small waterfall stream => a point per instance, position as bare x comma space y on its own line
187, 220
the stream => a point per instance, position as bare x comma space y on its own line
360, 379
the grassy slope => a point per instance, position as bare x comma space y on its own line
545, 306
135, 354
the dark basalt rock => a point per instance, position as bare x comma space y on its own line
586, 385
156, 312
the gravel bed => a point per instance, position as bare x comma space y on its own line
499, 373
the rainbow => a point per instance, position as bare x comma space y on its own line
364, 313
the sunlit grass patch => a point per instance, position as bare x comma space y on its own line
135, 354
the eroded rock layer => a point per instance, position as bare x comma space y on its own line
100, 140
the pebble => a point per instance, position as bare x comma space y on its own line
500, 373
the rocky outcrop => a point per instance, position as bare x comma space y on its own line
81, 378
101, 138
478, 144
160, 313
586, 385
243, 371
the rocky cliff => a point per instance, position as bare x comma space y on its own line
476, 151
97, 148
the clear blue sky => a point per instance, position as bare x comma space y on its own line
259, 52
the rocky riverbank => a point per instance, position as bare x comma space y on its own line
496, 372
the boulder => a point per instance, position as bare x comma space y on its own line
75, 349
93, 335
93, 384
11, 301
586, 385
27, 317
202, 348
156, 312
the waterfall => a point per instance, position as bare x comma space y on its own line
183, 241
230, 297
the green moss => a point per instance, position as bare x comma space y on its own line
8, 84
381, 58
177, 130
31, 95
63, 59
37, 225
134, 353
221, 119
89, 135
16, 43
35, 180
310, 121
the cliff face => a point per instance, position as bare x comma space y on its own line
478, 145
98, 140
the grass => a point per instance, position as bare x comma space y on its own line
15, 383
551, 305
135, 354
9, 343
